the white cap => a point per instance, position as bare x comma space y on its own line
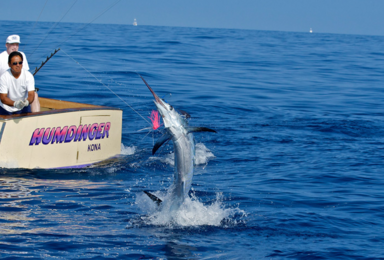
13, 39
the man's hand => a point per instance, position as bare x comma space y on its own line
26, 102
20, 104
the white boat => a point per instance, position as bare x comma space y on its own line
134, 22
63, 135
310, 30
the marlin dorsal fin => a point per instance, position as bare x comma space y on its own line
160, 142
192, 129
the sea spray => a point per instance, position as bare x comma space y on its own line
191, 213
202, 154
127, 150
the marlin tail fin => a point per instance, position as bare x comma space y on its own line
154, 198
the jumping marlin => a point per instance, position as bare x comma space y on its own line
177, 130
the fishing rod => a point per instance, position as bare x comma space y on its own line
43, 63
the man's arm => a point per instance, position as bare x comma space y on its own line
25, 62
6, 100
31, 96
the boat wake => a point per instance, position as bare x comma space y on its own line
192, 213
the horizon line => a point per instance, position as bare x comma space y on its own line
197, 27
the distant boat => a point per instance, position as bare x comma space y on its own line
134, 22
310, 30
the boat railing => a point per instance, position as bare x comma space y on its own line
53, 106
47, 104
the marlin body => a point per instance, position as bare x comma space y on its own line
177, 130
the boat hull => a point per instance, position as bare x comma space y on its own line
71, 137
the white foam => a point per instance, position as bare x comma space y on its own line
202, 154
191, 213
167, 159
127, 150
112, 170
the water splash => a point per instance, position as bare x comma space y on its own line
167, 159
202, 154
127, 150
191, 213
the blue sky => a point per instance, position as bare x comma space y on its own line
324, 16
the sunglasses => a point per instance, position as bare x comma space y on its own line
15, 63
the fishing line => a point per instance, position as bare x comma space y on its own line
121, 84
106, 86
92, 21
38, 18
145, 136
53, 27
103, 12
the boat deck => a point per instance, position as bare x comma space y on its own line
50, 106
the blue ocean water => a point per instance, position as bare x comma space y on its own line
294, 172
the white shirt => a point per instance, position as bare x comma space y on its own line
4, 62
17, 89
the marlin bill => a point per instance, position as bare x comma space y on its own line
177, 130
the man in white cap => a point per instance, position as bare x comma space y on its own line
12, 45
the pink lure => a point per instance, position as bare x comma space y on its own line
155, 118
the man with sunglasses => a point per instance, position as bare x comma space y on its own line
17, 87
12, 44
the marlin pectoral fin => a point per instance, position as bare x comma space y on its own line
199, 129
184, 113
160, 142
154, 198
